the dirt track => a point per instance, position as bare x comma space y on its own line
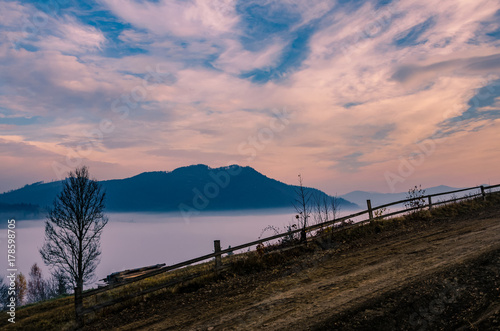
316, 288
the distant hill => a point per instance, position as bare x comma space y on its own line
190, 189
377, 199
20, 211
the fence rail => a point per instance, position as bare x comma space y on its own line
218, 252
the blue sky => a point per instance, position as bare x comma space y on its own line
127, 86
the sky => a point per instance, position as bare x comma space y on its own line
353, 95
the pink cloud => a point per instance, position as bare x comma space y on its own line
206, 115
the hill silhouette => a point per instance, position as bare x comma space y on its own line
360, 197
188, 189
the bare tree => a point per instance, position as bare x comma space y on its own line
73, 231
37, 286
21, 288
325, 208
302, 206
334, 207
58, 284
319, 209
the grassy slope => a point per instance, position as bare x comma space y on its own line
256, 280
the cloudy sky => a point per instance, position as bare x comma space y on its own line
374, 95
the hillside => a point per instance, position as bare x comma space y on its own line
436, 271
191, 189
439, 273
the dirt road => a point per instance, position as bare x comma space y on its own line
314, 289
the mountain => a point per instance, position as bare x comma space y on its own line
377, 199
20, 211
188, 189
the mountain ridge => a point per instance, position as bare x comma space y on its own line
359, 197
189, 189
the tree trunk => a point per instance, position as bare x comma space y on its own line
79, 305
79, 284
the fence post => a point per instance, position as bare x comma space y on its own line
218, 261
430, 202
370, 211
483, 192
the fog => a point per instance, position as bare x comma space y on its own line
132, 240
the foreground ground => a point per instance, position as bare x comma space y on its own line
439, 273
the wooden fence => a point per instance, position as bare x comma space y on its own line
217, 255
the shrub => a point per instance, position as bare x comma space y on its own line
416, 204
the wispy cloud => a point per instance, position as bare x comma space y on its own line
363, 82
194, 19
71, 37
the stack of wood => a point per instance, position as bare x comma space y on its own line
121, 276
